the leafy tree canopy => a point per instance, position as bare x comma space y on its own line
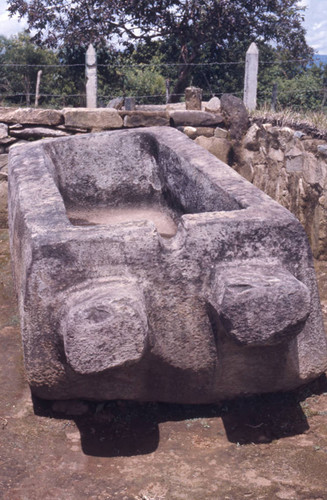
188, 30
191, 22
183, 32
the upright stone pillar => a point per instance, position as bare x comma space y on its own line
193, 98
91, 77
251, 77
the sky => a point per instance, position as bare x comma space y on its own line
315, 23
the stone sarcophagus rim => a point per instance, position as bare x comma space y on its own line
147, 269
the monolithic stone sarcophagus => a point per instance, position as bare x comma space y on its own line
147, 269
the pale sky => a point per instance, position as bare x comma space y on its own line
315, 23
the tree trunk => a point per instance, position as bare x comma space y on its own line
183, 79
181, 84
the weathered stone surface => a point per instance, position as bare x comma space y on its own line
146, 119
213, 106
76, 130
3, 161
193, 132
250, 140
218, 147
195, 118
260, 305
3, 203
225, 305
129, 103
6, 141
96, 325
291, 171
38, 133
298, 134
100, 118
17, 144
31, 116
19, 126
193, 98
276, 155
221, 133
3, 130
294, 160
322, 149
314, 172
236, 115
116, 103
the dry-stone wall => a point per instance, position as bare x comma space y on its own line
288, 165
291, 167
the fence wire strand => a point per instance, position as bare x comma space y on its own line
210, 91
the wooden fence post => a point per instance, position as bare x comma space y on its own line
91, 77
251, 77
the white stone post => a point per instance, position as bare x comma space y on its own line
91, 77
251, 77
37, 90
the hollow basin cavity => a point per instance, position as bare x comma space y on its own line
129, 178
163, 218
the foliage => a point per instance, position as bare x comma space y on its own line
304, 90
20, 61
189, 31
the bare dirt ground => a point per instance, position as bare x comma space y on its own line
268, 447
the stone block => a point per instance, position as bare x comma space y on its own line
218, 147
3, 203
314, 171
237, 118
3, 161
193, 132
221, 133
294, 160
37, 133
193, 98
260, 304
213, 106
250, 140
322, 150
195, 118
6, 141
129, 103
116, 103
148, 269
99, 118
3, 130
145, 119
31, 116
276, 155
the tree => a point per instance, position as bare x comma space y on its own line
20, 60
187, 29
305, 90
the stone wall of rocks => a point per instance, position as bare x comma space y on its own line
288, 165
291, 167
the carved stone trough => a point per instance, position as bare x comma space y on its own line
147, 269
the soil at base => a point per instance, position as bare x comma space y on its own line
267, 447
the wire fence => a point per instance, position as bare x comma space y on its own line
64, 84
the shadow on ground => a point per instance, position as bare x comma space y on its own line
125, 428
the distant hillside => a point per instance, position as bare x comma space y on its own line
320, 58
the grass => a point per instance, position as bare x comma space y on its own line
312, 122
